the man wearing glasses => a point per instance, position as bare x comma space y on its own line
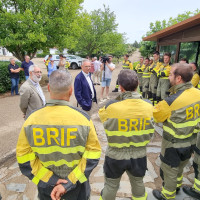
84, 90
31, 94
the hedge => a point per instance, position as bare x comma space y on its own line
5, 82
41, 55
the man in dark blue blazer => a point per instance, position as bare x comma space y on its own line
84, 90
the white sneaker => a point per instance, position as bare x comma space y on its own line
101, 100
107, 97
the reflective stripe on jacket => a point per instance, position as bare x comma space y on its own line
127, 65
155, 66
146, 72
179, 113
58, 141
127, 121
164, 71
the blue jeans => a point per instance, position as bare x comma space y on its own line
105, 82
26, 77
14, 87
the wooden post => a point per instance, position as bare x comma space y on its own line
177, 52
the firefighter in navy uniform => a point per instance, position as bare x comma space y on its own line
180, 116
128, 125
58, 147
125, 65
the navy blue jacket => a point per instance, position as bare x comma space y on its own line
83, 92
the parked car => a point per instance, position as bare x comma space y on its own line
56, 59
75, 62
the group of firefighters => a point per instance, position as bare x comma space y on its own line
58, 146
153, 75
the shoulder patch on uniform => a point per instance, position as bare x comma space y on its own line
82, 112
173, 97
111, 102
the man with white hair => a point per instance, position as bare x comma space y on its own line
97, 71
25, 66
84, 90
31, 94
58, 146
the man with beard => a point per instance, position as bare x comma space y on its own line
179, 114
31, 94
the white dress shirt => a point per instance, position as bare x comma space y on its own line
87, 76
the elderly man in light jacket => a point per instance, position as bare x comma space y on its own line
31, 94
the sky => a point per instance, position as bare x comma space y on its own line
134, 16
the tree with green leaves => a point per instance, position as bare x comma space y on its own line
97, 34
148, 47
30, 25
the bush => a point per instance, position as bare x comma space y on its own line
41, 55
5, 82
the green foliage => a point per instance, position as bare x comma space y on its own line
148, 47
41, 55
5, 83
136, 44
29, 25
97, 34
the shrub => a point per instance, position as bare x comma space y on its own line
41, 55
5, 82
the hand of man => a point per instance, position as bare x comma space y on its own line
57, 192
61, 181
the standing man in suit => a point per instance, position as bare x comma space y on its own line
31, 94
84, 90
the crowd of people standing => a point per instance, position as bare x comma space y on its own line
58, 146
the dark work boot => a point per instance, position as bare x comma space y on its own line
143, 94
158, 99
149, 95
157, 194
177, 190
115, 90
154, 99
191, 192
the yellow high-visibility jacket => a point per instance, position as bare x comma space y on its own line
127, 65
195, 79
138, 66
58, 141
128, 123
155, 67
163, 71
180, 114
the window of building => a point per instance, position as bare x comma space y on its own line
170, 49
188, 50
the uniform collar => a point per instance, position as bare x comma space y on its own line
53, 102
129, 95
183, 86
